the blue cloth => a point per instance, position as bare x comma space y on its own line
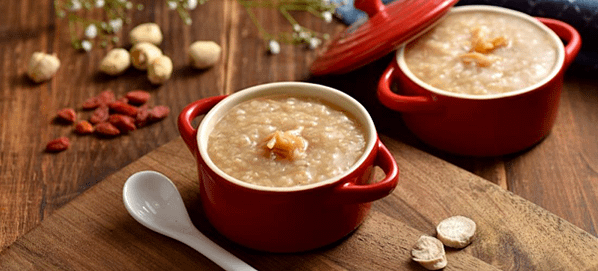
581, 14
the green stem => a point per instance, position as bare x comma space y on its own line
255, 21
72, 31
314, 12
288, 16
183, 14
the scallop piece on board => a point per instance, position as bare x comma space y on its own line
456, 231
429, 252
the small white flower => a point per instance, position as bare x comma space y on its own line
171, 5
304, 35
314, 43
274, 47
86, 45
191, 4
129, 5
75, 5
116, 24
100, 3
296, 27
327, 16
91, 31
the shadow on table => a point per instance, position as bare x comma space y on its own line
132, 78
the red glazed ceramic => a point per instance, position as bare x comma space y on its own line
386, 28
287, 219
481, 125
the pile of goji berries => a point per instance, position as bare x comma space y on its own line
110, 117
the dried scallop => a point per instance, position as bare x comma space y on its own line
482, 44
456, 231
429, 252
287, 144
480, 59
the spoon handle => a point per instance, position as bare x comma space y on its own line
198, 241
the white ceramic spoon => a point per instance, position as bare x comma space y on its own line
153, 200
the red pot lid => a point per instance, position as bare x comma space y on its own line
388, 27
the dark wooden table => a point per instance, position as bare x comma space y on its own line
560, 174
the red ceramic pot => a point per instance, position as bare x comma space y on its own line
486, 125
287, 219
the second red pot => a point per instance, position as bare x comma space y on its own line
481, 125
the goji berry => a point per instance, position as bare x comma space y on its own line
104, 98
58, 144
159, 112
142, 117
138, 97
123, 100
91, 103
106, 129
84, 127
123, 108
101, 114
123, 122
66, 115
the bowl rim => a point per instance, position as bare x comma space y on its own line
330, 95
558, 66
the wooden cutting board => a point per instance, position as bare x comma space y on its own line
95, 232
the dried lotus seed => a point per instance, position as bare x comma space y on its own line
147, 32
143, 54
204, 54
456, 231
115, 62
429, 252
42, 66
160, 70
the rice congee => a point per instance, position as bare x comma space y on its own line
282, 141
479, 52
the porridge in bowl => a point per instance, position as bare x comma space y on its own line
282, 141
480, 53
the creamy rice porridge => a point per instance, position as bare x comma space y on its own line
284, 141
477, 52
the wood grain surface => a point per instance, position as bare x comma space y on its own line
560, 174
34, 183
95, 232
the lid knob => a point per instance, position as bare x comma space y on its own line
371, 7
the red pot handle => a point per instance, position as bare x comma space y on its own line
567, 33
360, 193
190, 112
398, 102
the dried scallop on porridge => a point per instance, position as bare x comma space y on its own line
482, 53
282, 141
